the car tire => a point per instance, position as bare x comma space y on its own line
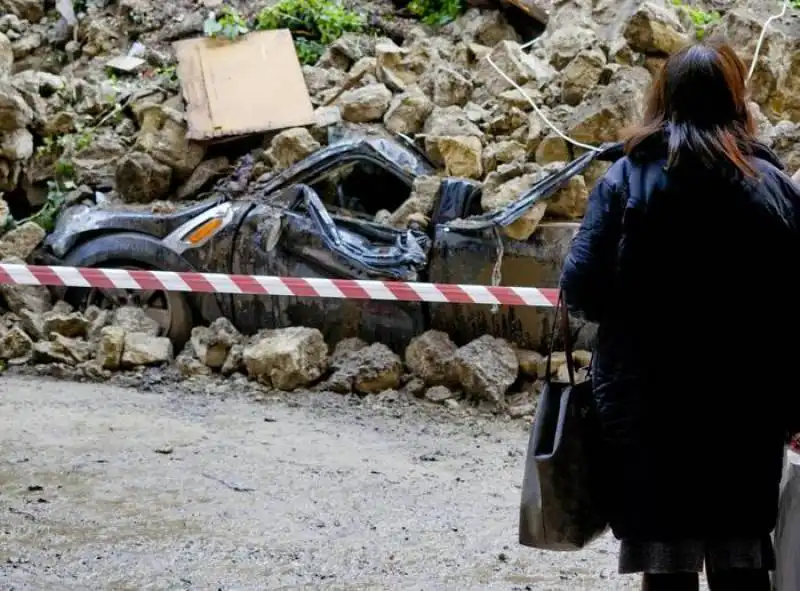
181, 318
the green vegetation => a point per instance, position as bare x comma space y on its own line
56, 195
437, 12
229, 25
314, 24
700, 18
62, 148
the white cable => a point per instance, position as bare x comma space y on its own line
541, 115
568, 139
761, 37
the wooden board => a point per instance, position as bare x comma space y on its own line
250, 85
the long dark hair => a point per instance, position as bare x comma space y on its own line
699, 103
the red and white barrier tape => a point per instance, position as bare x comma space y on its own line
405, 291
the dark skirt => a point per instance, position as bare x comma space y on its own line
691, 555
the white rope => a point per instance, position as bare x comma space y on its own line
566, 138
761, 37
541, 115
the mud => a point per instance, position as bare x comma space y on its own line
109, 488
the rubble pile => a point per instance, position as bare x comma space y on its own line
73, 130
120, 137
487, 373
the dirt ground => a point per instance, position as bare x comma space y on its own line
103, 487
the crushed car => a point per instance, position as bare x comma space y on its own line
317, 219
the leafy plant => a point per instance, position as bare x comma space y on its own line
63, 148
795, 4
48, 213
230, 25
700, 18
314, 24
437, 12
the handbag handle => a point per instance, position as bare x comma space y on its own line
562, 319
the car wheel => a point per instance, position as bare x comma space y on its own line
169, 309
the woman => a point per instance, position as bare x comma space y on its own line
687, 259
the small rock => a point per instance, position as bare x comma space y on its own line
189, 366
438, 394
212, 344
530, 362
234, 362
415, 387
144, 349
110, 347
287, 358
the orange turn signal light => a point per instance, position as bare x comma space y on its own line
206, 230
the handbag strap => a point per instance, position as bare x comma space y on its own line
562, 320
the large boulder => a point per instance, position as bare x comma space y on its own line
407, 112
365, 104
654, 29
608, 110
519, 66
430, 356
14, 344
581, 75
367, 370
21, 241
6, 56
499, 192
775, 83
140, 178
14, 111
30, 10
110, 346
163, 136
96, 163
144, 349
287, 358
18, 298
486, 368
462, 155
291, 146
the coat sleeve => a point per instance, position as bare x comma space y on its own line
590, 264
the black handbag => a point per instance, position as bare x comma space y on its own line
562, 506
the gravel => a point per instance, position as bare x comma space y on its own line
103, 487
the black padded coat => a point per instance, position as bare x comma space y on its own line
694, 280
